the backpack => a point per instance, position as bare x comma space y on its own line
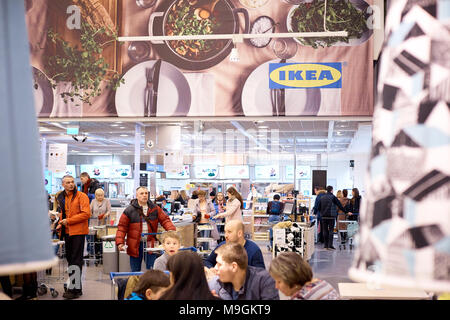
275, 207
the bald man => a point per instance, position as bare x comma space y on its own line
234, 232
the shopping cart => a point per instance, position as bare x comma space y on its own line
94, 248
48, 278
346, 231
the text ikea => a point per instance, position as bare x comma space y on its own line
305, 75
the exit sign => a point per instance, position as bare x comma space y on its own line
72, 130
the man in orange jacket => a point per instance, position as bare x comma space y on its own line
74, 217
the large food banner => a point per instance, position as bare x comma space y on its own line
81, 69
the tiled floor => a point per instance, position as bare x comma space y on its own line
331, 266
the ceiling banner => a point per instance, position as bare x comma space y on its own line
329, 76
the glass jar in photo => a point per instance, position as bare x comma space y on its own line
284, 48
138, 51
146, 3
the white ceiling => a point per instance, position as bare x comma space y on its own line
311, 136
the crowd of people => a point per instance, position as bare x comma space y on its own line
330, 209
235, 268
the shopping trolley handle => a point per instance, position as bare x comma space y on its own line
151, 233
194, 249
112, 275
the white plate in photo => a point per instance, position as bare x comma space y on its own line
43, 93
174, 93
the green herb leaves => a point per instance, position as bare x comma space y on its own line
83, 67
340, 16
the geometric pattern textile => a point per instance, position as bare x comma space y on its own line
404, 237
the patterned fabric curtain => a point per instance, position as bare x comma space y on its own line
404, 235
24, 229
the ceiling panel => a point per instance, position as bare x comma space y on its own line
118, 137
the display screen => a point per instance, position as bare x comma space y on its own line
303, 172
120, 171
182, 174
267, 172
235, 172
155, 167
70, 170
95, 171
206, 172
48, 181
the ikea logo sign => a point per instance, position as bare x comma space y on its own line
305, 75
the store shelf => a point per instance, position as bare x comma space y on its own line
205, 239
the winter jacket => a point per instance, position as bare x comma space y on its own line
316, 203
130, 225
75, 208
326, 203
90, 187
355, 203
258, 285
345, 203
209, 210
233, 211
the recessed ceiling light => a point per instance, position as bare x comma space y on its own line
65, 122
126, 151
74, 151
119, 122
114, 125
121, 127
263, 127
124, 135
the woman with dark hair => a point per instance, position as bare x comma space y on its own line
187, 278
355, 203
235, 205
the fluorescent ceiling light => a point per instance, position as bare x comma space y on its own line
124, 135
121, 127
114, 125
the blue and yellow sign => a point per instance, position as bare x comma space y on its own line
305, 75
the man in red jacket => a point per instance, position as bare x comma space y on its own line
141, 216
74, 217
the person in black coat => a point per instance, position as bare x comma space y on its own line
319, 191
355, 203
328, 213
89, 185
